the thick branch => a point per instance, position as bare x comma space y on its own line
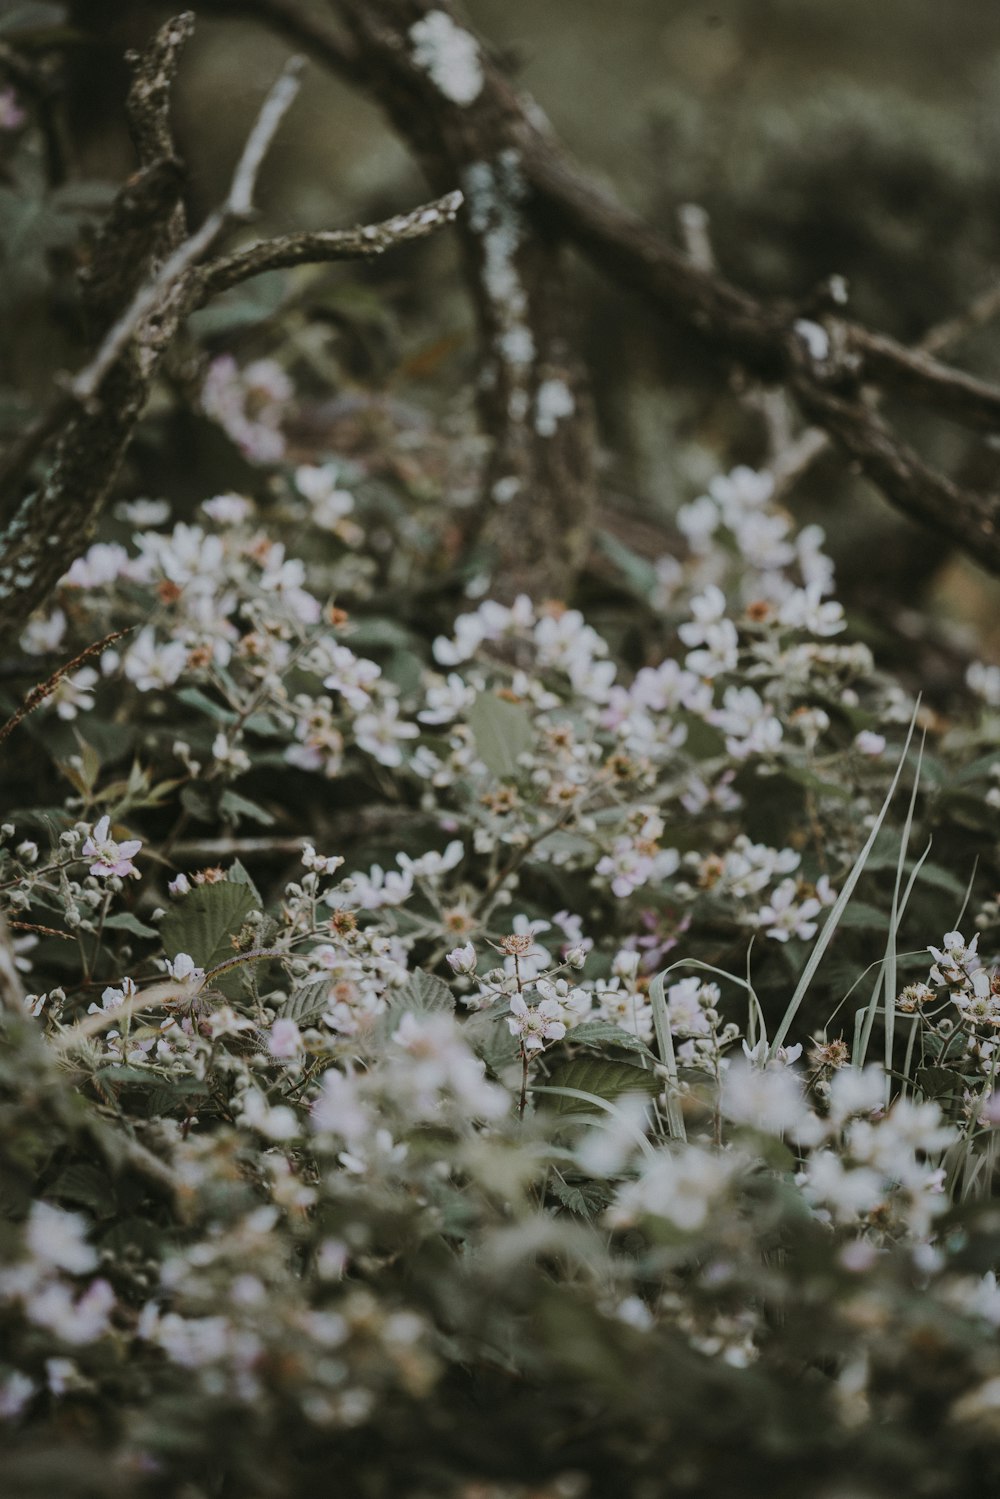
98, 410
539, 490
762, 336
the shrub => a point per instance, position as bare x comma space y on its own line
496, 1055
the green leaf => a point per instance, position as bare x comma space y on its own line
195, 698
86, 1185
203, 922
938, 1082
237, 807
308, 1001
502, 731
586, 1198
237, 874
638, 573
425, 994
124, 921
602, 1078
600, 1033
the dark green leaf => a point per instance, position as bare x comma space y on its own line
308, 1001
235, 806
601, 1033
204, 921
124, 921
938, 1082
86, 1185
605, 1079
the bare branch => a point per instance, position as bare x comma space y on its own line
239, 203
761, 336
153, 72
96, 413
364, 243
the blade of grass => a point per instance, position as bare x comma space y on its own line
665, 1042
840, 904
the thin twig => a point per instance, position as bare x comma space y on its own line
45, 689
238, 205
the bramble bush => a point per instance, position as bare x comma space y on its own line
498, 1058
484, 1049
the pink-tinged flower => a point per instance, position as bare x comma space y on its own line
110, 857
462, 959
12, 116
285, 1040
536, 1026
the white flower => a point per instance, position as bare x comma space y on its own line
708, 609
847, 1190
740, 490
73, 694
985, 681
699, 522
681, 1187
43, 633
275, 1121
285, 1039
535, 1025
340, 1108
749, 724
105, 562
686, 1008
785, 917
228, 509
770, 1099
15, 1392
184, 969
78, 1322
378, 733
57, 1239
854, 1091
804, 609
720, 652
152, 666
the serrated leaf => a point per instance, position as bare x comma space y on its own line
204, 921
237, 874
308, 1001
502, 731
604, 1033
86, 1185
124, 921
603, 1078
585, 1198
937, 1082
425, 994
169, 1096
